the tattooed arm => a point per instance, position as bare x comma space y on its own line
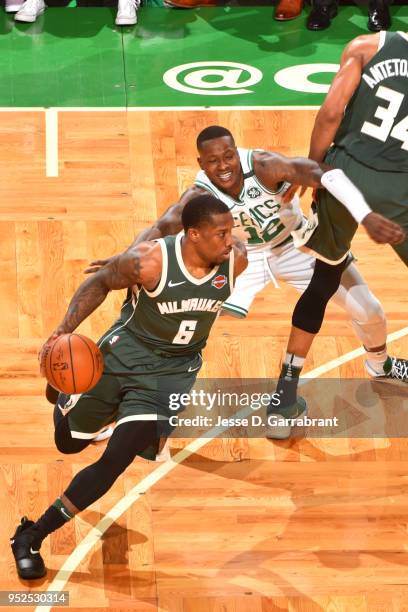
139, 265
272, 169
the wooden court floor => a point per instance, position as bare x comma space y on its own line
238, 525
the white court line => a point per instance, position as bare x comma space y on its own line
94, 535
330, 365
81, 109
51, 142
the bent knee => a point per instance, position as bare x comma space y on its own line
364, 307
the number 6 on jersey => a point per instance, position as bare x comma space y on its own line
185, 332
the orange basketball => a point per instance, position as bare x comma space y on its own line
72, 363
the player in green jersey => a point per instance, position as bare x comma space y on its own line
365, 115
178, 285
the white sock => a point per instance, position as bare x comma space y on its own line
376, 360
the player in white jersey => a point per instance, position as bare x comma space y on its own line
252, 183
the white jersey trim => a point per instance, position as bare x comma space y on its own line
403, 34
185, 272
141, 417
231, 270
381, 40
165, 266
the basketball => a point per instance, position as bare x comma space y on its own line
72, 363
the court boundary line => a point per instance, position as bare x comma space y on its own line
51, 142
85, 109
94, 535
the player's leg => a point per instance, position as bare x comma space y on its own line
255, 278
354, 296
144, 383
128, 440
78, 419
369, 324
307, 319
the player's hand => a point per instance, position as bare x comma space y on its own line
96, 265
290, 192
382, 230
46, 347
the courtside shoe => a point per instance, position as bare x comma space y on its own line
394, 369
278, 427
29, 562
127, 12
30, 11
12, 6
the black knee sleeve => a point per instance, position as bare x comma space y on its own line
309, 311
127, 441
62, 435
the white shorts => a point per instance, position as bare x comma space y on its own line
283, 263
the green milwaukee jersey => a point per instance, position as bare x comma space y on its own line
374, 129
177, 316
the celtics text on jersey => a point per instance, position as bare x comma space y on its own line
256, 210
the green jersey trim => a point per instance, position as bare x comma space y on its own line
163, 277
237, 309
185, 272
209, 189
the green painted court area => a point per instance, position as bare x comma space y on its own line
230, 56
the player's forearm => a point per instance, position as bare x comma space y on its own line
85, 300
323, 135
347, 193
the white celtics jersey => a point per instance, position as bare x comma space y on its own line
256, 210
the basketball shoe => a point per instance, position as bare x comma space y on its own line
394, 368
12, 6
30, 10
127, 12
29, 563
282, 430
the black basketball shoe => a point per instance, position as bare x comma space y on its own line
29, 562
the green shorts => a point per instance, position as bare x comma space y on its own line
386, 193
136, 386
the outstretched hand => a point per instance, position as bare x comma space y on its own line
382, 230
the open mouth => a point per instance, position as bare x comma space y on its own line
225, 177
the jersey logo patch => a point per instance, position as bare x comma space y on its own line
171, 284
253, 192
113, 340
219, 281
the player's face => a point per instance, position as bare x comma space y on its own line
214, 241
220, 161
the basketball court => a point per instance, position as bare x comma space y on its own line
98, 129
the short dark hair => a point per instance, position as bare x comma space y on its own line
211, 132
199, 210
